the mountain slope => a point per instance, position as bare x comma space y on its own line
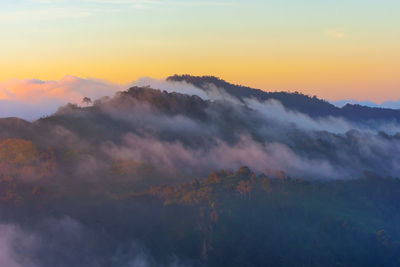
311, 106
120, 183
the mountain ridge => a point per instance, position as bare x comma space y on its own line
312, 106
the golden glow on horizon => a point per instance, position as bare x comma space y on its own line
332, 79
272, 47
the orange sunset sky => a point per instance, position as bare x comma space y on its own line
333, 49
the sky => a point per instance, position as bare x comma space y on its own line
342, 49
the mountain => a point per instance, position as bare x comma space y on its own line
208, 135
126, 182
311, 106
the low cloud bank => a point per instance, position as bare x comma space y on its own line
180, 136
32, 99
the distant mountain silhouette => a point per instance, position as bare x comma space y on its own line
311, 106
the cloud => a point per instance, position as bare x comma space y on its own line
180, 87
175, 157
69, 88
266, 136
67, 242
14, 246
274, 110
31, 99
180, 136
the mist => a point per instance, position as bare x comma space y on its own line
141, 177
216, 131
67, 242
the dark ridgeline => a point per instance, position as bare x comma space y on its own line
311, 106
124, 183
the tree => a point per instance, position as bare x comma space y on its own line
266, 184
241, 188
280, 175
86, 100
244, 188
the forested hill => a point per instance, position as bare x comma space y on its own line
125, 182
311, 106
145, 121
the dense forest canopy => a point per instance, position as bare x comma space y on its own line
240, 178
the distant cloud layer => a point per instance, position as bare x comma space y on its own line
32, 99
